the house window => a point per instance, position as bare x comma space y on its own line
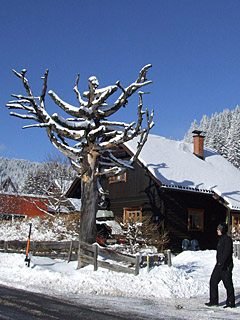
132, 215
12, 217
119, 178
195, 219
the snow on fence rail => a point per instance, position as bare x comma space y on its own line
94, 254
90, 254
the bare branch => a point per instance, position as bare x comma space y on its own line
22, 116
95, 133
114, 123
127, 92
72, 125
29, 99
19, 101
24, 80
42, 97
88, 125
144, 135
39, 208
143, 73
114, 171
121, 87
41, 125
70, 152
75, 89
72, 110
109, 160
100, 101
75, 165
15, 105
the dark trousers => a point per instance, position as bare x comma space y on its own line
226, 276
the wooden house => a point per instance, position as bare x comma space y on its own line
190, 187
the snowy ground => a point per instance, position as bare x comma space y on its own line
178, 292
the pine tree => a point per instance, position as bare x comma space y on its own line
189, 136
233, 144
222, 133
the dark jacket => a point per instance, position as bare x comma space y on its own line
224, 253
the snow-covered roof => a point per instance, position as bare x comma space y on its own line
62, 184
76, 203
173, 164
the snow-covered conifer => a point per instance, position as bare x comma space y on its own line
222, 133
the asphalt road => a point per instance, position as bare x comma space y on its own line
18, 305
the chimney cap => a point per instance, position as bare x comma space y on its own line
198, 133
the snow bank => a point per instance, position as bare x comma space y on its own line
188, 277
178, 292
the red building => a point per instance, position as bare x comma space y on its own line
20, 206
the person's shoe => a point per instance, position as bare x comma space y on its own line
229, 306
210, 304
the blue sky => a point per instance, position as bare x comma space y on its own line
193, 45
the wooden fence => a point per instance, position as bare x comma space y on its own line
94, 254
89, 254
66, 250
236, 249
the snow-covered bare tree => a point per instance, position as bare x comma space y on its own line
94, 136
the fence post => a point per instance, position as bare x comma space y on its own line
234, 250
137, 265
95, 256
80, 257
169, 259
148, 267
70, 251
33, 248
5, 246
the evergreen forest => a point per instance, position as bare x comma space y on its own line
222, 133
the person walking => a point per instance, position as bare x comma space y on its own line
223, 269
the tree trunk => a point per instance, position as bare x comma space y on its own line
89, 197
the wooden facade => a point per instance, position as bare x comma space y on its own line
141, 192
188, 199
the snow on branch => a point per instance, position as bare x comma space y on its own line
88, 125
20, 105
38, 207
111, 172
108, 160
129, 91
44, 89
72, 110
75, 165
75, 89
68, 151
73, 125
23, 116
129, 132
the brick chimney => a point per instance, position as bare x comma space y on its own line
198, 144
